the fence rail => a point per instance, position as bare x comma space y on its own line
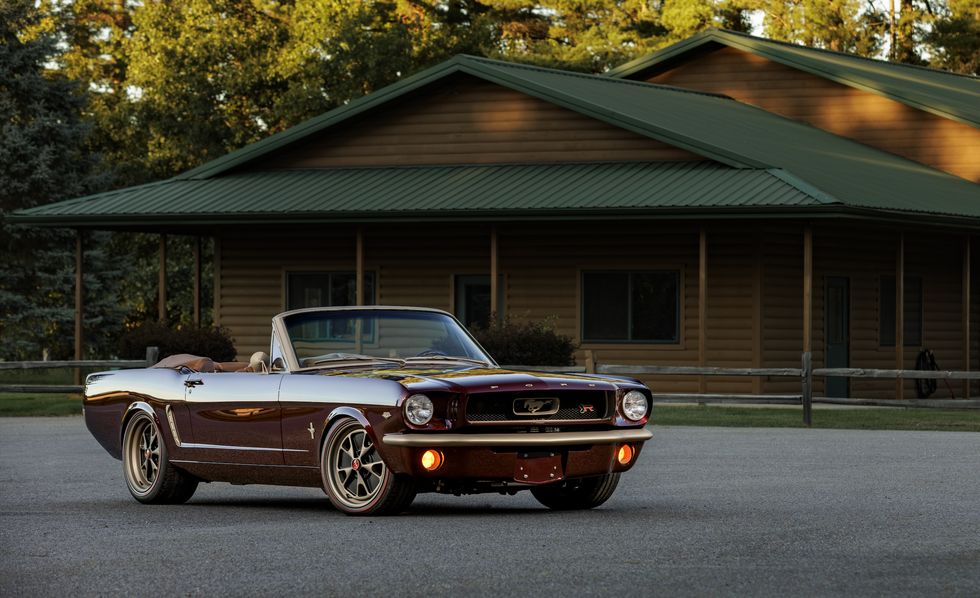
152, 356
804, 374
103, 363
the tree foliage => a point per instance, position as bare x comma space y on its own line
43, 157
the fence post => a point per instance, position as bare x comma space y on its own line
807, 389
152, 355
589, 361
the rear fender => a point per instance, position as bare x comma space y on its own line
133, 409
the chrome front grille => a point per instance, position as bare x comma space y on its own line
521, 406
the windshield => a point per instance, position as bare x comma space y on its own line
323, 337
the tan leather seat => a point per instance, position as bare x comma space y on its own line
191, 362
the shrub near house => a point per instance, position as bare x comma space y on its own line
512, 342
215, 343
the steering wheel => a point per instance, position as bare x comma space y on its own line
431, 353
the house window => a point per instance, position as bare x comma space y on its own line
326, 289
913, 311
631, 306
471, 298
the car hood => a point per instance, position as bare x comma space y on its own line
470, 379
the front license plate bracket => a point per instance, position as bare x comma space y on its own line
538, 468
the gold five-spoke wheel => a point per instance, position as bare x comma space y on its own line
356, 478
149, 475
358, 469
144, 455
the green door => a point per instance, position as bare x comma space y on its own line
838, 325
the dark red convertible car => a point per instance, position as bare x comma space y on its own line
374, 405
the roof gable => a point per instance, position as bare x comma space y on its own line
586, 94
946, 94
466, 120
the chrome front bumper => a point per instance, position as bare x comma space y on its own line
529, 439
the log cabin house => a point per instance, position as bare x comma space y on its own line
716, 203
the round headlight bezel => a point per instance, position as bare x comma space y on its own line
630, 403
418, 410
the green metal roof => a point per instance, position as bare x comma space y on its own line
950, 95
431, 190
737, 135
453, 191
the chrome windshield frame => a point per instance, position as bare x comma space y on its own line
292, 362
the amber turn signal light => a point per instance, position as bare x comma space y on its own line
431, 460
625, 454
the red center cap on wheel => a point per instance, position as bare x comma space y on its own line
356, 464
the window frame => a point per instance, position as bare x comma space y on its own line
676, 342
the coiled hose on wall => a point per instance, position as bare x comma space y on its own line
924, 387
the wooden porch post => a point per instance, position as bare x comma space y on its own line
162, 281
808, 289
494, 308
966, 314
702, 305
216, 283
900, 314
359, 264
79, 301
197, 281
757, 274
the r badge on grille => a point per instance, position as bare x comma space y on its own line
535, 407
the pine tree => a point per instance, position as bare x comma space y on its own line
42, 159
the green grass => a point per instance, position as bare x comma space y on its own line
965, 420
22, 405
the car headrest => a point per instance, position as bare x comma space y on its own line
259, 362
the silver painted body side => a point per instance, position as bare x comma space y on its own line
163, 384
313, 388
234, 387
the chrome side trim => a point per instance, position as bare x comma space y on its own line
173, 426
530, 439
249, 465
225, 447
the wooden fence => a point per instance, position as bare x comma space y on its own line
804, 374
152, 356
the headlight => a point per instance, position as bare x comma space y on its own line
418, 409
634, 405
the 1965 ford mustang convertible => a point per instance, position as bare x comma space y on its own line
374, 405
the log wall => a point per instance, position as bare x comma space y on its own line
754, 307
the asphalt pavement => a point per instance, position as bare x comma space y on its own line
706, 511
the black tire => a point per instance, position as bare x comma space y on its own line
574, 495
355, 478
150, 477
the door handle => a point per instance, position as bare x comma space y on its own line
192, 383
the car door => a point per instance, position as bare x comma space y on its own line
235, 417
